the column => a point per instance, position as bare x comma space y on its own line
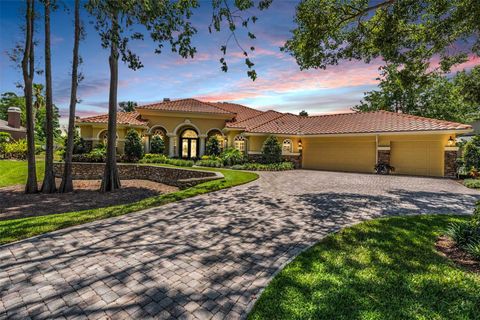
450, 162
147, 143
171, 144
202, 138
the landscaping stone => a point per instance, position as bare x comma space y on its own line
207, 257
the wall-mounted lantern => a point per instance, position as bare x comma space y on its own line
451, 142
300, 146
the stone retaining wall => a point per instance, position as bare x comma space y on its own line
181, 178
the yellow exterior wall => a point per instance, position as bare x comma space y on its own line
255, 143
170, 123
353, 154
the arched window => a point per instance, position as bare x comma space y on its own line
159, 132
218, 135
239, 143
287, 146
103, 136
189, 133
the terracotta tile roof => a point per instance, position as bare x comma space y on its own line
255, 121
370, 122
131, 118
242, 112
186, 105
287, 123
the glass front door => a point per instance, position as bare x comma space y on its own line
189, 148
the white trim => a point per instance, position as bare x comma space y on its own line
150, 131
385, 148
451, 148
290, 153
186, 123
254, 152
104, 125
221, 132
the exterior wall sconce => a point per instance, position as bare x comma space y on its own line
451, 142
300, 146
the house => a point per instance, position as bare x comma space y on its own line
352, 142
12, 125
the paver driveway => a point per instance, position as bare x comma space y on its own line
207, 256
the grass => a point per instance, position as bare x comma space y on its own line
13, 230
15, 172
472, 183
381, 269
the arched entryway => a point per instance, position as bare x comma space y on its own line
162, 134
189, 144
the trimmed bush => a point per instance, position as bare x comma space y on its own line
472, 183
157, 145
271, 151
232, 156
97, 155
467, 234
133, 146
213, 146
210, 163
160, 158
15, 149
5, 137
282, 166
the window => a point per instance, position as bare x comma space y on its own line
220, 138
239, 143
287, 146
189, 133
159, 132
103, 136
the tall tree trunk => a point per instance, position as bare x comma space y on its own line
111, 180
48, 185
67, 183
28, 73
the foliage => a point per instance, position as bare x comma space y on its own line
215, 163
160, 158
15, 172
414, 90
329, 31
79, 144
157, 145
133, 146
352, 274
471, 153
126, 106
5, 137
232, 156
279, 166
472, 183
466, 234
10, 99
16, 229
41, 115
15, 150
213, 146
271, 150
303, 113
97, 155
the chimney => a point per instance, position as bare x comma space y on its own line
14, 117
166, 99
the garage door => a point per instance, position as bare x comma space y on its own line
423, 158
340, 156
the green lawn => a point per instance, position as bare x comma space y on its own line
12, 230
381, 269
15, 172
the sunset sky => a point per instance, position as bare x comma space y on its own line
280, 84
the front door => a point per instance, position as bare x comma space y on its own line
189, 148
189, 144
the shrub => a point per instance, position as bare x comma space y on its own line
472, 183
215, 163
282, 166
213, 146
133, 146
160, 158
5, 137
467, 234
157, 145
15, 149
232, 156
471, 153
271, 151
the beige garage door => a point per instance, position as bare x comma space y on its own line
423, 158
340, 156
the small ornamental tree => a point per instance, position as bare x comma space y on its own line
157, 145
133, 146
213, 146
272, 150
471, 153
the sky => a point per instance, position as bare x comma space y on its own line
280, 85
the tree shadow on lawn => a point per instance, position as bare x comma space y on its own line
218, 250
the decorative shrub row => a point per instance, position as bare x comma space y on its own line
10, 149
472, 183
282, 166
160, 158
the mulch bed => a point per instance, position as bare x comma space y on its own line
14, 203
447, 247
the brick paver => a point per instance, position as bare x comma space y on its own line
207, 257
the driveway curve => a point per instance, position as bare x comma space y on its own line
205, 257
